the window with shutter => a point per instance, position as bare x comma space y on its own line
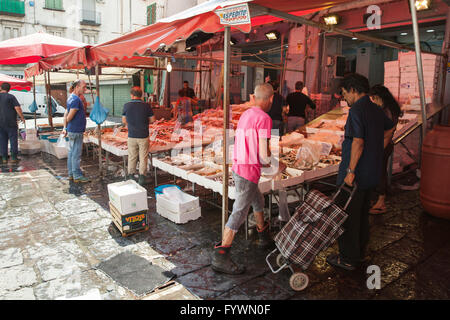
54, 4
151, 14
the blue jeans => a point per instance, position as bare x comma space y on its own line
74, 155
7, 133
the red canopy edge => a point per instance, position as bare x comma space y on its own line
33, 47
73, 59
150, 38
16, 84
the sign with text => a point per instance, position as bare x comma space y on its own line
234, 15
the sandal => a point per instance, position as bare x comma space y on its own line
335, 260
376, 211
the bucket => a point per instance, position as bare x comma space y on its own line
435, 172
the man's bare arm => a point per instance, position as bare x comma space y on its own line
19, 112
264, 152
71, 114
388, 134
357, 150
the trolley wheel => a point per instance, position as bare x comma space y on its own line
299, 281
280, 260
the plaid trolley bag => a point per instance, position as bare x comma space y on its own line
316, 224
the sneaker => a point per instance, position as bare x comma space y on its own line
70, 178
81, 179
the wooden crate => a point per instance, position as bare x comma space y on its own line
131, 223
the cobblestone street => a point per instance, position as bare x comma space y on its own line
53, 235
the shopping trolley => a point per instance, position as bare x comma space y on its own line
315, 225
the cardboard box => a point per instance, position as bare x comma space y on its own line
128, 223
128, 196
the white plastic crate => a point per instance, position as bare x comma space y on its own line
128, 196
184, 203
29, 146
178, 217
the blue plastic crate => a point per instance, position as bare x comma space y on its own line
159, 189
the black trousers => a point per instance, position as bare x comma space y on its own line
383, 185
354, 240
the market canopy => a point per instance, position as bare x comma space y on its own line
16, 84
34, 47
199, 18
125, 50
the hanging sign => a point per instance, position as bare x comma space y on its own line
234, 15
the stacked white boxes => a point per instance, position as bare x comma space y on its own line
128, 206
392, 77
400, 77
178, 206
31, 145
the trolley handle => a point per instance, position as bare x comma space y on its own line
347, 188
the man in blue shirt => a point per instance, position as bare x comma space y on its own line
74, 127
137, 115
367, 132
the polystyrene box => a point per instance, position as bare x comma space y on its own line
188, 203
30, 146
127, 196
178, 217
31, 135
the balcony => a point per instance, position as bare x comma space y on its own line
12, 8
91, 18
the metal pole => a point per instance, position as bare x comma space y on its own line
97, 89
419, 67
200, 75
49, 105
34, 99
226, 115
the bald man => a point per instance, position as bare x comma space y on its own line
251, 153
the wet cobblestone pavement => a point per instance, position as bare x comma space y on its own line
53, 233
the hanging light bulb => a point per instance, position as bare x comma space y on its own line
169, 67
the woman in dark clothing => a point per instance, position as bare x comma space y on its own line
381, 96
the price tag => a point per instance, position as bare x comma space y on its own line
116, 130
153, 136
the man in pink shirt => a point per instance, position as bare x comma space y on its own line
251, 153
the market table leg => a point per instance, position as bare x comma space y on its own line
270, 208
107, 160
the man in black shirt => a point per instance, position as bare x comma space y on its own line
276, 110
367, 132
137, 115
189, 92
9, 108
298, 102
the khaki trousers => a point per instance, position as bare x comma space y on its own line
137, 148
